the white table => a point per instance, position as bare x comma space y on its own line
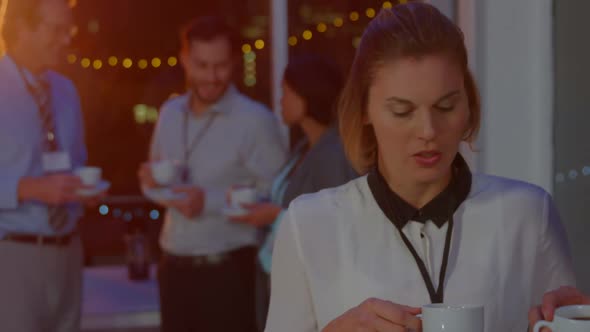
112, 301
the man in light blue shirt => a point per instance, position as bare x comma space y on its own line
223, 139
41, 141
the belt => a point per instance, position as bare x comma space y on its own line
204, 260
41, 240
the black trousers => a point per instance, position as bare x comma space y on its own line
262, 297
215, 297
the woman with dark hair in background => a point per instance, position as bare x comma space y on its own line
311, 85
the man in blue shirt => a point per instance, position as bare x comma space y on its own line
222, 139
41, 142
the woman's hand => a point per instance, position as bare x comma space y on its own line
374, 315
259, 214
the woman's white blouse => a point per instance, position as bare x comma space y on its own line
336, 248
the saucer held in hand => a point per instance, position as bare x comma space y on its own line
163, 194
233, 211
96, 190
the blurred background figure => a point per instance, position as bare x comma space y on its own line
221, 139
310, 89
41, 143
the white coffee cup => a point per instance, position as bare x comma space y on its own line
90, 176
239, 196
452, 318
164, 172
574, 318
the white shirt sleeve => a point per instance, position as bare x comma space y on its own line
159, 130
263, 155
553, 265
154, 151
80, 154
291, 307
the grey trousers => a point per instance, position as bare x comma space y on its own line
40, 287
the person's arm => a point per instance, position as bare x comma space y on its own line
553, 267
192, 205
161, 129
55, 189
146, 180
198, 200
80, 154
325, 166
291, 306
331, 169
79, 150
9, 189
263, 152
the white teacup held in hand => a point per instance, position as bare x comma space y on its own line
452, 318
242, 195
90, 176
573, 318
164, 172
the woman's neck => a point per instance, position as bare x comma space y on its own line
313, 130
417, 194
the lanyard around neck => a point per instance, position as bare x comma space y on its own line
436, 296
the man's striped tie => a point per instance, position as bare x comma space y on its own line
41, 91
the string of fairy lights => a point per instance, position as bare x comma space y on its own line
126, 63
248, 49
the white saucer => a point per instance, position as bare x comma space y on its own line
100, 187
230, 211
163, 194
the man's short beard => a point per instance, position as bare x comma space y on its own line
195, 92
